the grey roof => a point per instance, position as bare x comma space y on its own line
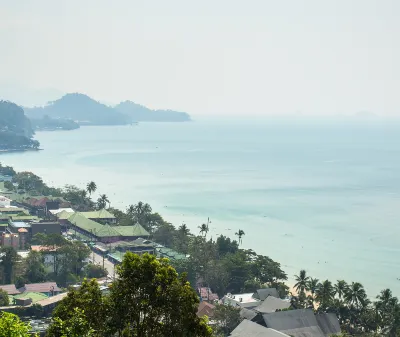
250, 329
247, 313
328, 323
296, 323
272, 304
262, 294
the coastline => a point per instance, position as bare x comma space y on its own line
19, 150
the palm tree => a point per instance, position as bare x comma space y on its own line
324, 294
239, 234
183, 230
91, 187
385, 307
102, 201
312, 286
341, 287
301, 281
203, 229
356, 295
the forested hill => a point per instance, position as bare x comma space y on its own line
80, 108
86, 111
140, 113
15, 128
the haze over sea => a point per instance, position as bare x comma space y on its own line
322, 195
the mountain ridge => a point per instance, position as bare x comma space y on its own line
86, 111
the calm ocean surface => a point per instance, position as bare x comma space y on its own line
323, 196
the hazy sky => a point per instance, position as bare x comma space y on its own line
208, 56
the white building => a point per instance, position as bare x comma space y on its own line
4, 201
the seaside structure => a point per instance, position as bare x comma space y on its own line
90, 230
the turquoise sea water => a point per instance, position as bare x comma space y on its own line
324, 196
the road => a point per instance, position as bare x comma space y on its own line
98, 259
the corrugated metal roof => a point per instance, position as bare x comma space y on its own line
250, 329
247, 313
296, 323
272, 304
329, 323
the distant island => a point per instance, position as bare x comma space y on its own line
140, 113
16, 131
84, 110
50, 124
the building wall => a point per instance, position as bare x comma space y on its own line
46, 228
4, 202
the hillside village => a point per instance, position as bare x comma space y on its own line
52, 239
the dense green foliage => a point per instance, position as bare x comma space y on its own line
357, 314
15, 128
147, 299
4, 300
11, 326
227, 318
48, 123
7, 170
8, 264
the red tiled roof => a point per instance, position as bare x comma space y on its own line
205, 308
45, 287
10, 289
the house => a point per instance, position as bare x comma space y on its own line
205, 309
4, 177
29, 297
272, 304
302, 323
206, 294
103, 216
241, 300
10, 289
49, 254
23, 237
16, 225
250, 329
47, 288
4, 201
9, 240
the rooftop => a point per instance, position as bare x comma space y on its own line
12, 210
135, 230
100, 214
20, 224
250, 329
38, 248
44, 287
91, 226
10, 289
60, 210
272, 304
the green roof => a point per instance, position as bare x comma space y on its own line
101, 214
24, 217
136, 230
91, 226
13, 210
33, 295
64, 215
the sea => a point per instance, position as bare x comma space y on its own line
316, 194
